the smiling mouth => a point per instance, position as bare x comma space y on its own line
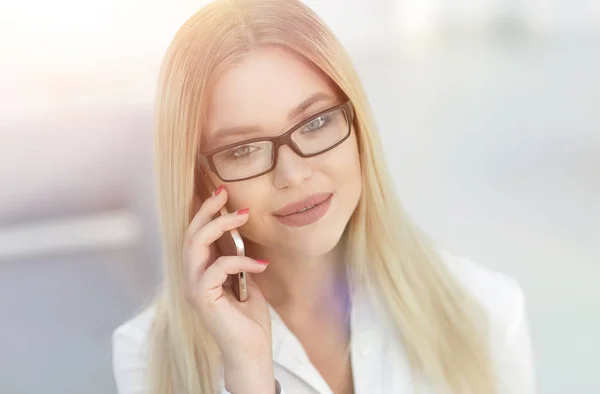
304, 205
299, 216
303, 209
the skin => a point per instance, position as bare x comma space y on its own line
303, 281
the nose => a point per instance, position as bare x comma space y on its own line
291, 169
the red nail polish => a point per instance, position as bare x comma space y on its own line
242, 211
262, 262
218, 190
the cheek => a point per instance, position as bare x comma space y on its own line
243, 195
347, 176
343, 164
256, 195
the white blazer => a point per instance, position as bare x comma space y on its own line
379, 362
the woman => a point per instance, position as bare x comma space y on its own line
259, 97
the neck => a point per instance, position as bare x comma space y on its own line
308, 285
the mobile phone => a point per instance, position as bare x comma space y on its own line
231, 244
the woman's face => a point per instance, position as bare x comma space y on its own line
260, 97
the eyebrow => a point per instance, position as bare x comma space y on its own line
296, 112
307, 103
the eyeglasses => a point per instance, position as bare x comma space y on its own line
258, 156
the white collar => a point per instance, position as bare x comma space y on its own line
370, 351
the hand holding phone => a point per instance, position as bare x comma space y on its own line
231, 244
242, 330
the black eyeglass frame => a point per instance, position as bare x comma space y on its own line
279, 141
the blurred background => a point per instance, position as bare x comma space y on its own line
490, 115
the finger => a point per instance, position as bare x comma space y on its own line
211, 283
207, 211
198, 248
215, 229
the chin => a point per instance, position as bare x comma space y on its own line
317, 244
319, 240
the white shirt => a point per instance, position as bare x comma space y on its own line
379, 362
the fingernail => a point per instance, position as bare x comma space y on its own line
262, 262
242, 211
218, 190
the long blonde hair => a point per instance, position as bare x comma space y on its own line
442, 329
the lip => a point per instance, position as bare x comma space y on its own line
295, 207
309, 216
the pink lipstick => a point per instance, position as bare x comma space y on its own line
305, 212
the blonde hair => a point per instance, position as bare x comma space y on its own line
442, 329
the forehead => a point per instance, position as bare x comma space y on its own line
263, 88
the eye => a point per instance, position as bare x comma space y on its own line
243, 151
316, 123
